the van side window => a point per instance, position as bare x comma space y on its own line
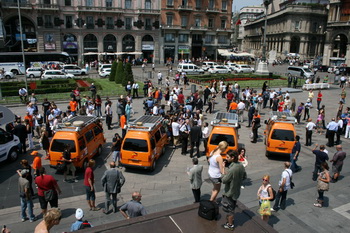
157, 135
81, 143
153, 143
185, 67
89, 136
97, 130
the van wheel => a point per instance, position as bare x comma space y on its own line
153, 165
163, 151
267, 154
13, 155
7, 76
31, 76
99, 151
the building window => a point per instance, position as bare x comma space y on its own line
211, 4
183, 38
90, 22
183, 21
148, 24
67, 2
184, 3
170, 2
210, 23
89, 3
222, 39
148, 4
48, 21
128, 23
209, 39
223, 24
169, 37
69, 20
297, 25
46, 2
109, 3
197, 22
169, 20
314, 27
224, 5
109, 23
198, 4
127, 4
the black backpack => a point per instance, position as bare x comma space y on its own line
85, 224
274, 194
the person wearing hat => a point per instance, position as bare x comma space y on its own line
25, 196
77, 225
307, 106
310, 126
36, 165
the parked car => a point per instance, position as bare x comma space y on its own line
34, 72
10, 145
104, 73
332, 69
298, 70
104, 66
189, 68
243, 69
219, 69
7, 75
73, 69
231, 66
52, 74
207, 64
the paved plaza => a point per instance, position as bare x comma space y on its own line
168, 186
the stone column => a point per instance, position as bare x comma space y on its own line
347, 56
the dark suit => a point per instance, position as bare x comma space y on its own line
21, 132
196, 135
112, 181
195, 175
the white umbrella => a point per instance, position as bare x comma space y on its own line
135, 53
89, 53
119, 53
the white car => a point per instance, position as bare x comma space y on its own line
243, 69
104, 73
34, 72
53, 74
73, 69
9, 146
207, 64
219, 69
104, 66
231, 66
7, 75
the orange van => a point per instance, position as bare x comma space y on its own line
143, 143
225, 127
85, 137
279, 134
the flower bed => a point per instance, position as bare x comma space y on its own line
82, 83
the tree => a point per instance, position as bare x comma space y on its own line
119, 74
128, 76
113, 71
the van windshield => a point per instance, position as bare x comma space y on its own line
284, 135
135, 145
217, 138
307, 70
58, 145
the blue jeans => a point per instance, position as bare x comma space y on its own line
294, 167
116, 156
24, 204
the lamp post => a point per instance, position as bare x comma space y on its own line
262, 66
22, 44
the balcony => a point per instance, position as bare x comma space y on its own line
224, 30
128, 27
171, 27
198, 28
48, 25
185, 8
148, 27
13, 5
109, 26
53, 7
149, 12
101, 9
212, 10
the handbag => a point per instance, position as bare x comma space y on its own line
265, 208
251, 135
49, 195
321, 185
292, 185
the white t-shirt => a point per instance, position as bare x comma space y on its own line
176, 128
214, 168
310, 126
287, 176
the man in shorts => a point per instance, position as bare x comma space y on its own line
338, 160
233, 178
89, 183
68, 161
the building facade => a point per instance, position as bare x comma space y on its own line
86, 29
192, 29
292, 27
337, 45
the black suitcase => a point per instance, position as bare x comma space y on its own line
208, 210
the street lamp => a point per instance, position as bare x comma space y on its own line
22, 44
262, 66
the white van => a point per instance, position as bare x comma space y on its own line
9, 146
298, 70
208, 64
189, 69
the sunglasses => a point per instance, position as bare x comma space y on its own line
265, 180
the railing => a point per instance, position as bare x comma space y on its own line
213, 10
198, 28
14, 5
102, 8
171, 27
185, 7
148, 11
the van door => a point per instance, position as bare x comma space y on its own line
91, 148
282, 141
99, 138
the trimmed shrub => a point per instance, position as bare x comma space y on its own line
119, 74
128, 76
113, 71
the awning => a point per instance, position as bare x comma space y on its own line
90, 53
134, 53
119, 53
107, 54
227, 53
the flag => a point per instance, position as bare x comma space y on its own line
238, 22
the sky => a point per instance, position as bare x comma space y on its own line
238, 4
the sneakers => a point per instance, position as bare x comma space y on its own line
318, 205
272, 210
95, 209
242, 187
33, 219
228, 226
75, 180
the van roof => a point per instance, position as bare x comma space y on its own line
282, 117
225, 119
70, 126
145, 123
